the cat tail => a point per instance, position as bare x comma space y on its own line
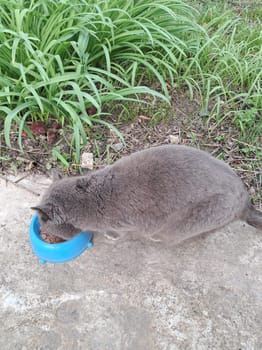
253, 217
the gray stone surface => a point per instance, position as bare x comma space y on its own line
130, 294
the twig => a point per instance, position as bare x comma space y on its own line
20, 179
211, 145
18, 185
246, 144
23, 159
27, 151
247, 171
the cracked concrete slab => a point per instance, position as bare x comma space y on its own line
130, 294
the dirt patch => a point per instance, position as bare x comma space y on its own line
184, 123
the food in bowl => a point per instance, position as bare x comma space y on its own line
49, 238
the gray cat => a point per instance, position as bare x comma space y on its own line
168, 193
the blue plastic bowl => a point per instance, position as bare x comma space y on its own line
58, 252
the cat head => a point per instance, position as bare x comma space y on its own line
51, 214
52, 222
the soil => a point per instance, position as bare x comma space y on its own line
183, 123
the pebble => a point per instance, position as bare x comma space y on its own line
118, 146
252, 191
174, 139
87, 160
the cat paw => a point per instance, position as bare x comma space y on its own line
112, 236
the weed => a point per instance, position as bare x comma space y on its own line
226, 68
58, 58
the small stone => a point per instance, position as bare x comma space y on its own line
87, 160
118, 146
175, 139
252, 191
143, 118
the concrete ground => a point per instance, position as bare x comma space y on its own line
205, 294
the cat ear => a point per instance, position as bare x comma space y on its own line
56, 175
45, 211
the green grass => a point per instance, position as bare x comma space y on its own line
226, 68
58, 58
